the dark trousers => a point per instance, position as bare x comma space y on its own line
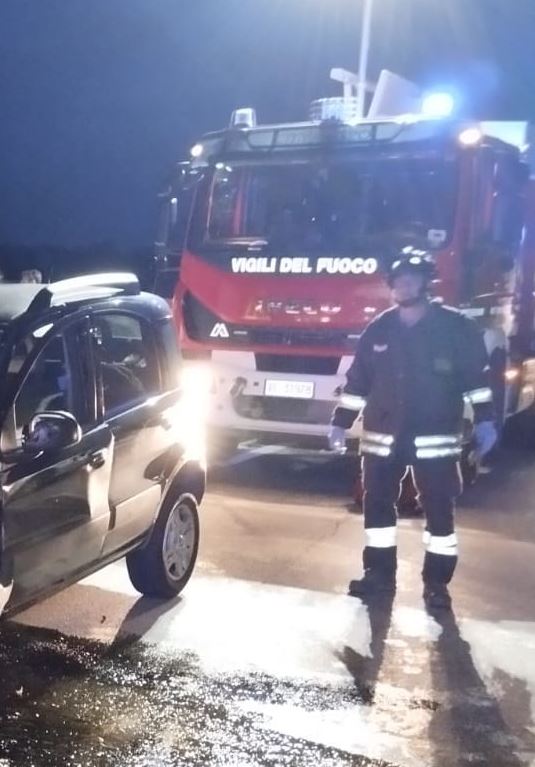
438, 482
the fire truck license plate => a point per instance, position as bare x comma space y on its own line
293, 389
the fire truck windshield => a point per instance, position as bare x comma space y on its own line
341, 207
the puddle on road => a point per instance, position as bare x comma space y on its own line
72, 703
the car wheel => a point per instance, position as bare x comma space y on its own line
163, 567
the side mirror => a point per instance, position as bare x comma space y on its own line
51, 430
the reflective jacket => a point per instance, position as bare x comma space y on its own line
412, 383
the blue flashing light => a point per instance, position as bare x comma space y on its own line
438, 105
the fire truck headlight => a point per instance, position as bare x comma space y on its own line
197, 384
197, 380
196, 151
470, 136
438, 105
512, 374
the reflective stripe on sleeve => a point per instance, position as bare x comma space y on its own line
352, 402
378, 438
444, 545
424, 453
438, 440
479, 396
381, 537
370, 448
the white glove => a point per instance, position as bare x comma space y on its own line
337, 439
486, 436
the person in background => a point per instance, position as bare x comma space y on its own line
31, 276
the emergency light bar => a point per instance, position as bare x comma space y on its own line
345, 109
334, 134
438, 105
243, 118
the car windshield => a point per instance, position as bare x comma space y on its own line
336, 207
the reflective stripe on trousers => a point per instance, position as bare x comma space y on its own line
375, 443
438, 446
424, 453
444, 545
428, 446
381, 537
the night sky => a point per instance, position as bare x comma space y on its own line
100, 97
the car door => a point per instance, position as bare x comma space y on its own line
55, 505
133, 398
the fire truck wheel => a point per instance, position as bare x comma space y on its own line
497, 366
469, 466
223, 445
519, 430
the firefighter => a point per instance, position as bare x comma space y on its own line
416, 366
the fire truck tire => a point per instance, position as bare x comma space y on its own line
469, 466
519, 430
223, 445
497, 366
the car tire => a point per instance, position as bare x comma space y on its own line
164, 565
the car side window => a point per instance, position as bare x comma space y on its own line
47, 385
127, 361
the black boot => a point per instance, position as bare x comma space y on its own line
379, 573
437, 596
374, 583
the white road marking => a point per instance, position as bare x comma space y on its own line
243, 456
250, 453
507, 647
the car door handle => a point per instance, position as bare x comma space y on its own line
165, 421
96, 460
160, 419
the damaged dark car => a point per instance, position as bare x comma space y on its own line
98, 458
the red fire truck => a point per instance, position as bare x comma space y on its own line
274, 239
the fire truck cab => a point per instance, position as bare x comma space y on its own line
274, 241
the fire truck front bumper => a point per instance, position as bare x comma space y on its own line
288, 405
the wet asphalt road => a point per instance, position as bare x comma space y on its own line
265, 661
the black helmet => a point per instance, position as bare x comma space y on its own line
413, 261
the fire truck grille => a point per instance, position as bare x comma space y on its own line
283, 409
203, 326
281, 363
334, 339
